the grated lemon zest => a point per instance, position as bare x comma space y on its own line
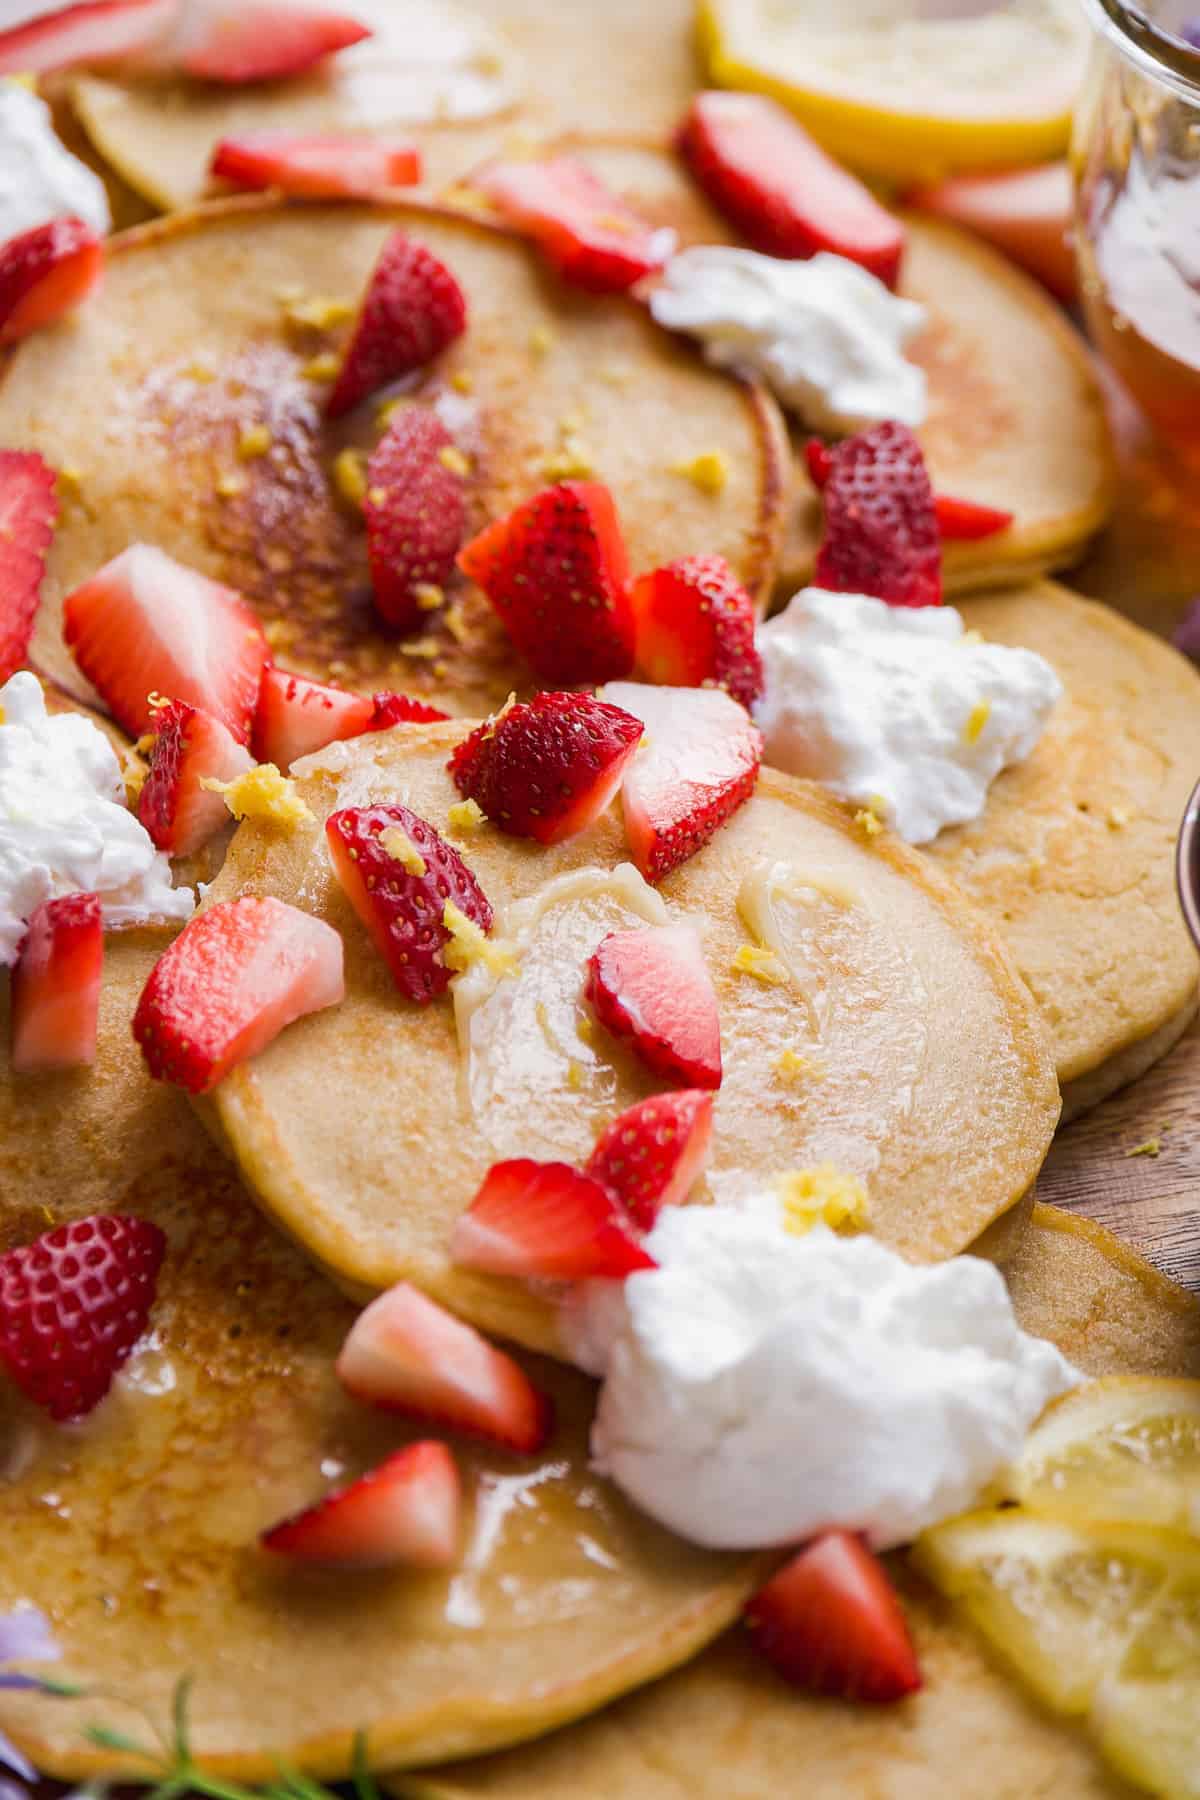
229, 485
321, 368
792, 1067
399, 846
1152, 1147
454, 459
462, 381
760, 965
468, 944
262, 793
824, 1195
466, 815
976, 724
350, 474
428, 595
254, 441
319, 311
708, 471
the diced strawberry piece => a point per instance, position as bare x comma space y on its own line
28, 514
545, 1220
296, 716
548, 768
699, 765
589, 234
830, 1623
144, 624
401, 899
190, 747
413, 308
652, 987
408, 1510
72, 1306
819, 458
1024, 212
653, 1154
399, 709
91, 34
760, 167
256, 40
316, 166
407, 1354
967, 520
46, 272
695, 628
416, 513
229, 984
56, 986
881, 532
556, 571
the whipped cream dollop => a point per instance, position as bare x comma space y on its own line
825, 334
899, 709
39, 178
64, 826
761, 1387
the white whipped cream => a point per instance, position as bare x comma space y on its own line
760, 1387
64, 826
39, 178
825, 334
898, 705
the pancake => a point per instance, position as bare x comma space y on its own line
726, 1729
148, 389
365, 1134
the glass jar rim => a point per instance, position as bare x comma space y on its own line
1156, 52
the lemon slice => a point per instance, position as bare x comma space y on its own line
910, 90
1146, 1718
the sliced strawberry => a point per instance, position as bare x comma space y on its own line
401, 903
144, 624
591, 236
699, 765
1025, 212
409, 1355
413, 308
830, 1622
229, 984
190, 747
545, 1220
556, 571
548, 768
255, 40
46, 272
91, 34
760, 167
72, 1306
316, 166
652, 987
28, 514
416, 513
819, 458
967, 520
408, 1510
652, 1155
296, 716
881, 532
695, 628
56, 986
399, 709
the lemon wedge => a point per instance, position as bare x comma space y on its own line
1146, 1717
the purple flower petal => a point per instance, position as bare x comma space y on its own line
1189, 31
1186, 635
11, 1758
25, 1636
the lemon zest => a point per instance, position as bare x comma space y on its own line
319, 311
350, 474
254, 441
230, 484
792, 1068
462, 381
824, 1195
261, 793
708, 471
399, 846
760, 965
1152, 1147
466, 815
454, 459
321, 368
468, 944
976, 723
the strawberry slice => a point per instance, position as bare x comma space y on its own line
652, 1155
296, 716
190, 747
399, 876
236, 41
229, 984
695, 628
699, 765
967, 520
545, 1220
46, 272
407, 1354
318, 167
760, 167
72, 1306
556, 571
399, 709
653, 989
413, 308
830, 1622
28, 514
91, 34
56, 986
408, 1510
548, 768
819, 458
144, 624
586, 232
881, 531
416, 513
1026, 213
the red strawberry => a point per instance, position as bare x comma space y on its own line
296, 716
1024, 212
402, 907
316, 166
408, 1510
407, 1354
144, 624
556, 572
72, 1306
760, 167
699, 764
398, 709
92, 33
547, 769
819, 458
652, 1155
255, 40
695, 628
413, 308
28, 513
967, 520
189, 746
229, 984
588, 233
44, 273
881, 532
56, 986
416, 513
652, 987
831, 1623
545, 1220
